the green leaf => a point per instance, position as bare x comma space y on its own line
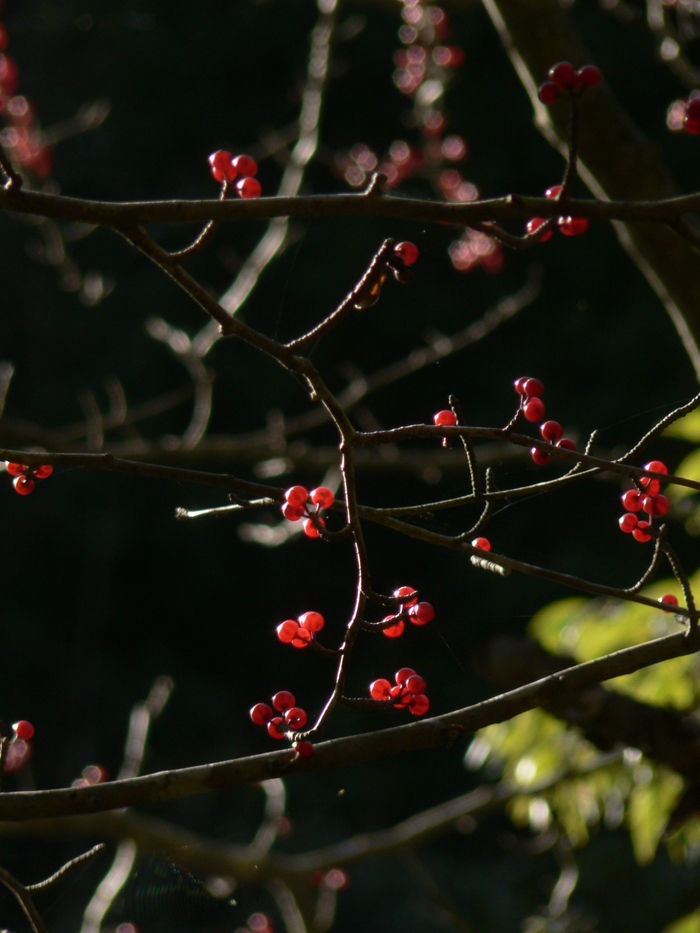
648, 809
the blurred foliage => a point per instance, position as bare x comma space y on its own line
536, 748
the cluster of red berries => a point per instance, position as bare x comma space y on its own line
569, 226
474, 249
452, 185
24, 476
92, 774
400, 162
409, 610
19, 749
227, 168
566, 81
409, 691
298, 498
530, 391
300, 633
21, 138
649, 500
684, 115
293, 719
426, 65
425, 27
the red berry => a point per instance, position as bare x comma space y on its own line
483, 544
16, 469
632, 501
548, 93
551, 431
245, 166
533, 410
445, 419
628, 522
535, 224
259, 923
287, 631
379, 689
655, 505
261, 714
669, 599
589, 76
402, 675
652, 486
221, 166
283, 701
407, 595
640, 533
418, 705
293, 512
24, 485
249, 188
295, 718
691, 127
23, 729
692, 110
275, 728
563, 74
655, 466
572, 226
322, 497
448, 56
297, 495
304, 750
421, 614
43, 472
302, 639
415, 684
408, 252
310, 527
336, 879
533, 388
519, 385
312, 621
393, 631
553, 192
94, 774
566, 443
540, 457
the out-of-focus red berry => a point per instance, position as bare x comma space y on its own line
23, 729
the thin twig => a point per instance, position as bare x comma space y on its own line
79, 860
25, 901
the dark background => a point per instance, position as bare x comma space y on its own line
101, 590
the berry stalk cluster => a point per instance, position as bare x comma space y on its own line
226, 168
292, 719
21, 139
25, 476
298, 504
647, 498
